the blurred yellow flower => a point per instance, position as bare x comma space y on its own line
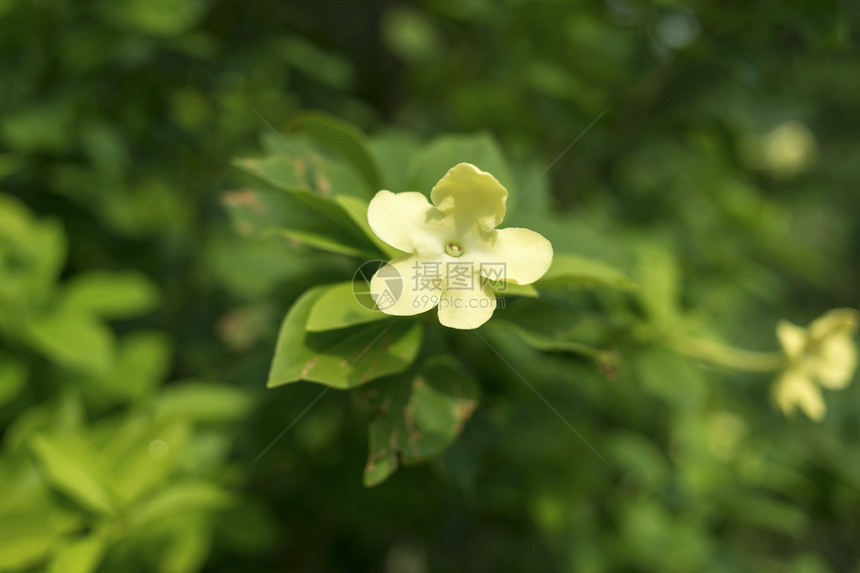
823, 354
452, 249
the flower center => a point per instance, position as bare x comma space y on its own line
453, 250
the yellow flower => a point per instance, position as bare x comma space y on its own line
823, 354
452, 248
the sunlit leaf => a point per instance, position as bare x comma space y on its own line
73, 339
181, 498
78, 556
204, 402
28, 536
144, 455
111, 295
324, 243
659, 283
339, 308
341, 358
74, 468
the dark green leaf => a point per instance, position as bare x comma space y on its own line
444, 152
13, 374
418, 419
567, 269
670, 376
344, 139
393, 152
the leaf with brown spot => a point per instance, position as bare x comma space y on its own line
418, 419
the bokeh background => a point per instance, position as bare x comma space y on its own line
137, 326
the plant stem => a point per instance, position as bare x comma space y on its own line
730, 357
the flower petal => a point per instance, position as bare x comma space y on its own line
835, 361
406, 221
398, 288
520, 255
792, 338
838, 320
473, 197
795, 388
467, 308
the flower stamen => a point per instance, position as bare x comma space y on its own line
453, 249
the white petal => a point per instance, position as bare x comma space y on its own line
795, 388
521, 255
406, 221
402, 287
792, 338
474, 198
466, 309
836, 361
838, 320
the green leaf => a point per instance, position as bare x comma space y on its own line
339, 308
27, 536
142, 363
64, 414
659, 281
540, 341
111, 295
181, 498
186, 551
141, 461
13, 374
258, 212
554, 325
73, 339
79, 556
204, 402
443, 153
346, 140
419, 419
32, 253
567, 269
325, 243
341, 358
347, 212
285, 171
393, 152
252, 268
510, 289
768, 514
670, 376
160, 18
74, 468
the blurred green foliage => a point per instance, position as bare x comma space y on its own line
143, 278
